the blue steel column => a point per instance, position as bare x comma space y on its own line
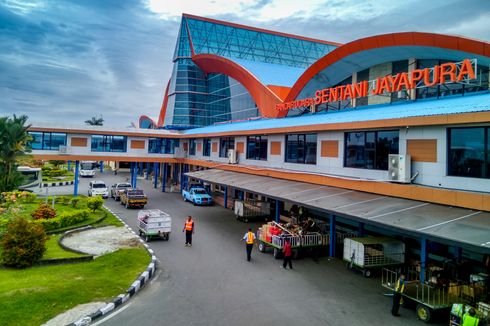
278, 211
147, 170
135, 175
69, 165
164, 176
242, 194
360, 232
226, 197
458, 254
101, 166
332, 235
423, 258
156, 172
75, 183
181, 176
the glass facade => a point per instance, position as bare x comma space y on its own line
108, 143
206, 146
192, 146
257, 148
225, 144
469, 152
198, 99
370, 149
301, 148
46, 140
162, 145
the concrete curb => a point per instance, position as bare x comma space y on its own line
140, 281
57, 184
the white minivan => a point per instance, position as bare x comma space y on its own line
98, 188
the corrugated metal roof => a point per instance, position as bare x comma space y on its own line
452, 105
450, 225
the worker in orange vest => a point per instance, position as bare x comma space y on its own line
189, 231
249, 238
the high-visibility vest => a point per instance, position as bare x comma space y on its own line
250, 238
189, 225
400, 286
469, 321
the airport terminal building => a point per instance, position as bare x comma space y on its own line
385, 135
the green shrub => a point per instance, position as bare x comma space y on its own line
74, 202
64, 220
43, 212
28, 197
65, 200
23, 244
95, 203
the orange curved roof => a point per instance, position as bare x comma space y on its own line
145, 117
456, 43
163, 110
263, 96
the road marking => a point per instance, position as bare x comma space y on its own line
398, 211
360, 202
341, 193
445, 222
116, 312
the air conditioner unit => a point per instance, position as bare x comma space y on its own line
232, 157
63, 149
399, 168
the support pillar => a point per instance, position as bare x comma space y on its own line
458, 254
181, 176
226, 197
242, 195
75, 183
147, 170
332, 236
423, 258
164, 176
278, 211
101, 166
360, 232
69, 165
156, 172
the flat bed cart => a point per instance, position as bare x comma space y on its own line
429, 299
367, 254
298, 242
247, 210
154, 223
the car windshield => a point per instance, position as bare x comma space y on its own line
200, 192
98, 185
124, 185
87, 166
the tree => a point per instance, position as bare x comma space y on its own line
13, 141
95, 203
95, 121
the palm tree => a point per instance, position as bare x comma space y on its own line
13, 140
95, 121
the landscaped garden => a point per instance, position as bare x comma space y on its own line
33, 294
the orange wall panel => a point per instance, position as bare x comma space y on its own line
275, 148
330, 148
240, 146
199, 147
79, 142
137, 144
422, 150
214, 147
186, 146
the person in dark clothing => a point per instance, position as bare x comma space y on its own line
397, 295
249, 238
189, 231
287, 255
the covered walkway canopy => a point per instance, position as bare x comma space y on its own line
451, 225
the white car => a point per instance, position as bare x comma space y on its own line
98, 188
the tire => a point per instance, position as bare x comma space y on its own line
295, 253
185, 199
167, 237
261, 246
141, 233
366, 273
193, 203
424, 313
127, 205
277, 253
147, 238
237, 217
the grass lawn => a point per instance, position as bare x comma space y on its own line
53, 249
33, 296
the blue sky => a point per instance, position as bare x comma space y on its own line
68, 60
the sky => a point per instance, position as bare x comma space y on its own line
65, 61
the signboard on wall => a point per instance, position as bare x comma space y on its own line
462, 72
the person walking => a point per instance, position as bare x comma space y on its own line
249, 238
397, 295
189, 231
287, 255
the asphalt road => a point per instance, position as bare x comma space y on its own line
211, 283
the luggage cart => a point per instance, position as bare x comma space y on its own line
251, 210
154, 223
366, 254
